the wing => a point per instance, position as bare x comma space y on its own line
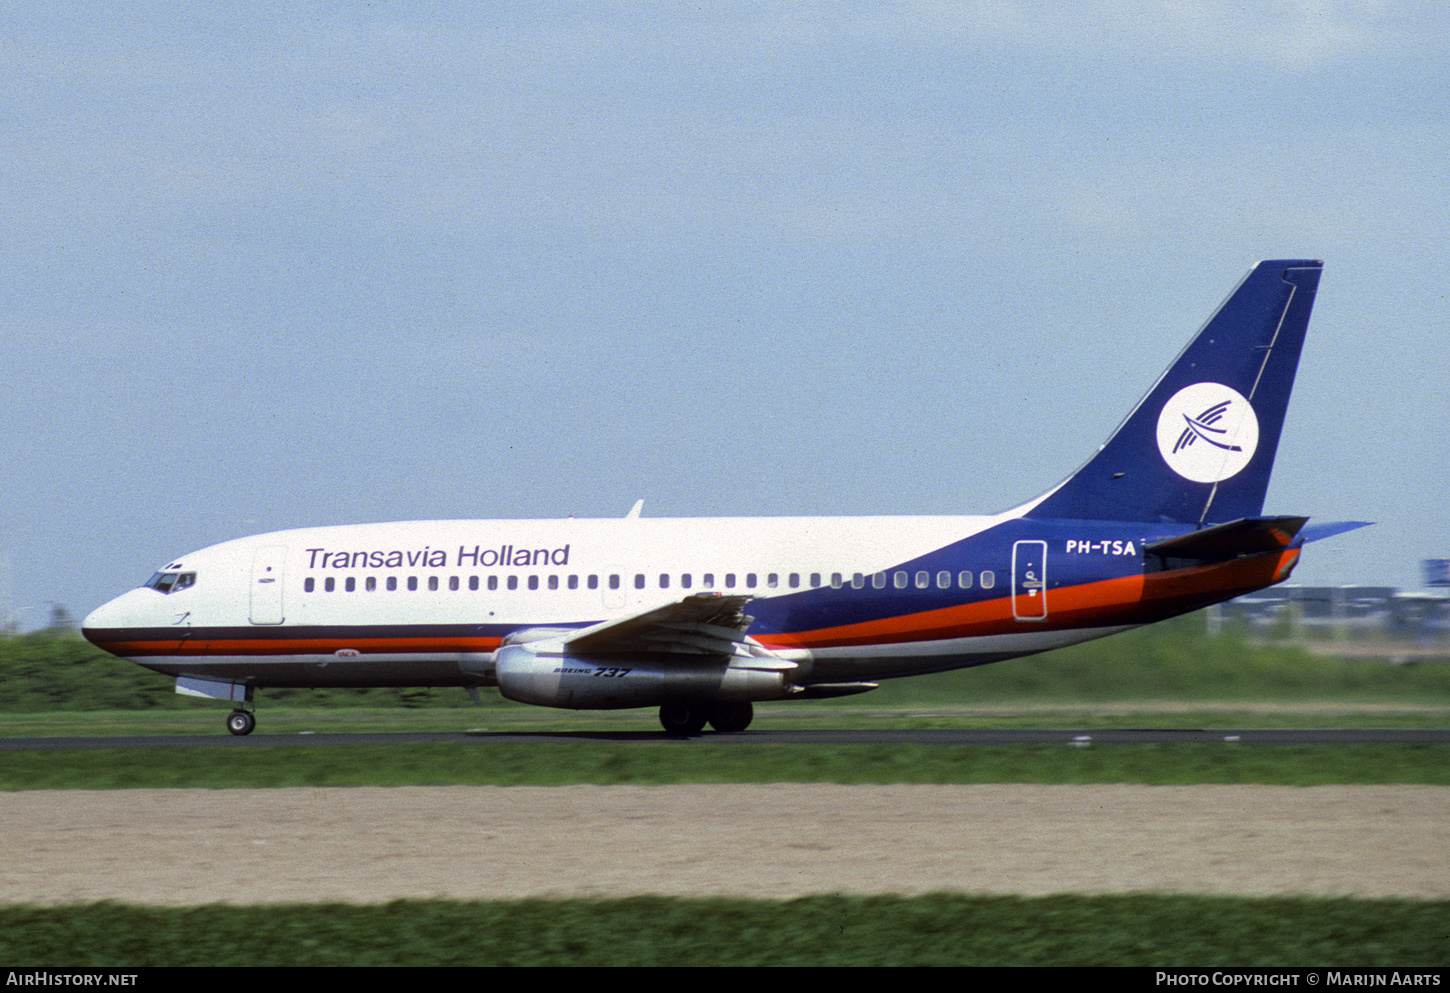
700, 624
695, 649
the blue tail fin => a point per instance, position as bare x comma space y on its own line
1198, 449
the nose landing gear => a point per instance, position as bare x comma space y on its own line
241, 722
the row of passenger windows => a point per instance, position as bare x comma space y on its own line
900, 580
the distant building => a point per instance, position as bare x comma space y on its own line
1339, 613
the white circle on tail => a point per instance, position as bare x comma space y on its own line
1207, 432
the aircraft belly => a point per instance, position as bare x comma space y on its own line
869, 662
323, 671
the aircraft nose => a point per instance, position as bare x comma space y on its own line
98, 620
103, 624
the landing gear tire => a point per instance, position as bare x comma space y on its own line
240, 722
730, 715
683, 719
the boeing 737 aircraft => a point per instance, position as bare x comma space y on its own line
702, 617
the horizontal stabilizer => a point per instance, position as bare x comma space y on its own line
1318, 532
1249, 536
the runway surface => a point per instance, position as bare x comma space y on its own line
1147, 736
372, 845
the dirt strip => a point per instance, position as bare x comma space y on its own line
366, 845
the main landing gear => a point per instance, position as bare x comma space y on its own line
684, 719
241, 721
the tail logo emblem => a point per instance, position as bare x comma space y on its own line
1207, 432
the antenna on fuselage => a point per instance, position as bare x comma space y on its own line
634, 511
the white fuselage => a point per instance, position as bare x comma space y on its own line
427, 602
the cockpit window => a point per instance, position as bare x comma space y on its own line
170, 582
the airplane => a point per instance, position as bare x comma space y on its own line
703, 618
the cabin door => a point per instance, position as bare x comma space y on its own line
267, 567
1029, 580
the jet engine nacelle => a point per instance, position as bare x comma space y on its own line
555, 679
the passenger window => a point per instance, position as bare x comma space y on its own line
350, 584
493, 582
795, 580
730, 580
307, 584
750, 580
858, 581
772, 580
878, 580
899, 580
553, 582
433, 582
944, 580
593, 582
513, 582
453, 582
614, 581
533, 582
835, 580
964, 579
473, 582
392, 583
412, 583
989, 579
815, 580
639, 580
573, 582
923, 580
685, 581
371, 584
708, 581
328, 584
664, 580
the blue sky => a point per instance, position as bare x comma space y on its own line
273, 266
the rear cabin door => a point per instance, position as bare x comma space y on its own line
1029, 580
268, 565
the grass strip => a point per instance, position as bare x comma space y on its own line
941, 929
206, 719
553, 764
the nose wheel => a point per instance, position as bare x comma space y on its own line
241, 722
